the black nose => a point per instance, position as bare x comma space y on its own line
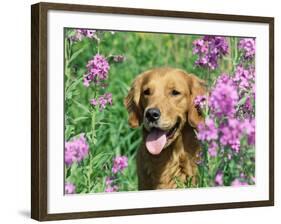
152, 114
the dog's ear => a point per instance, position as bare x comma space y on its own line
197, 87
132, 102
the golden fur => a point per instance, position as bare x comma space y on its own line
178, 158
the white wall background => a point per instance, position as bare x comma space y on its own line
15, 111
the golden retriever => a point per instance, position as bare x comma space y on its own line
162, 99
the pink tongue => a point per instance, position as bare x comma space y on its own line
155, 141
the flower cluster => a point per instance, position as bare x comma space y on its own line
224, 97
76, 150
209, 50
102, 101
229, 127
248, 48
95, 77
244, 77
119, 164
207, 131
79, 34
97, 70
69, 188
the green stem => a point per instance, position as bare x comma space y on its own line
209, 79
67, 57
94, 126
235, 52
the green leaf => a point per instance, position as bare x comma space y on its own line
69, 131
76, 53
83, 107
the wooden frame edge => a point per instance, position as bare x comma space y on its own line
38, 112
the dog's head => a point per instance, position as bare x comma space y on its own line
163, 100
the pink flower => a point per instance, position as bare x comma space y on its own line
76, 150
224, 97
102, 101
97, 70
90, 33
113, 188
209, 50
238, 183
244, 77
253, 179
213, 147
219, 178
119, 58
82, 33
86, 82
249, 128
110, 187
119, 164
231, 132
248, 47
69, 188
94, 102
200, 102
207, 131
108, 181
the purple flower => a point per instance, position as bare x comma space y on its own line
109, 185
200, 102
69, 188
200, 46
207, 131
224, 97
253, 179
113, 188
97, 70
119, 58
249, 128
213, 149
82, 33
119, 164
102, 101
231, 131
76, 150
238, 183
90, 33
244, 77
247, 108
219, 178
248, 104
108, 181
94, 102
209, 50
248, 48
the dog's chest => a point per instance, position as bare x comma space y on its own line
167, 173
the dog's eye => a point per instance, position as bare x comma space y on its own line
146, 92
175, 93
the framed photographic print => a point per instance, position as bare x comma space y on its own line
138, 111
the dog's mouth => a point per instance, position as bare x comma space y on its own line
157, 138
